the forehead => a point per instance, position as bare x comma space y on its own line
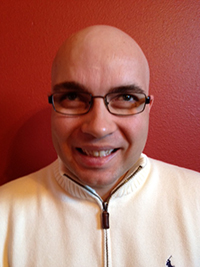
101, 66
99, 78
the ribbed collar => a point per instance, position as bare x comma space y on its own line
135, 180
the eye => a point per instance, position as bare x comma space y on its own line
125, 101
125, 97
72, 99
128, 97
69, 96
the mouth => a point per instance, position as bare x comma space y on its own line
97, 153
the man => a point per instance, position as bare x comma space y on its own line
103, 202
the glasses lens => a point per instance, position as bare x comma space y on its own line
126, 103
71, 102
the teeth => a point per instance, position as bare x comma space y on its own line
96, 154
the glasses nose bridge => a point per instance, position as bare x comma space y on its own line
104, 99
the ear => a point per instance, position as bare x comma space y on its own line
151, 101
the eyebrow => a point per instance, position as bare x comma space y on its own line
68, 85
79, 87
130, 87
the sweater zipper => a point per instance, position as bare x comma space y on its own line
105, 216
105, 213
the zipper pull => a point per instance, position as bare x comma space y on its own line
105, 216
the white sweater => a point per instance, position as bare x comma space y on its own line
48, 220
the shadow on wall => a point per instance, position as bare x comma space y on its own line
32, 147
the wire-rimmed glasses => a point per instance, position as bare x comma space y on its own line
74, 102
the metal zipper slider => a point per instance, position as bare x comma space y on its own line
105, 216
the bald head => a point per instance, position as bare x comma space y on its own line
98, 147
96, 47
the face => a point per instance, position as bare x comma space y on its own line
98, 148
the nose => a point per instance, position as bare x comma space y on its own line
98, 121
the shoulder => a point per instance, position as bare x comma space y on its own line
174, 179
27, 185
166, 169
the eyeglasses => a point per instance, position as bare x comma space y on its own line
72, 102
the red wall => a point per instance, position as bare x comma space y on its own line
31, 32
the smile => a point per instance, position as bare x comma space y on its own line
97, 153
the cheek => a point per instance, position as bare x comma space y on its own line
64, 132
60, 129
62, 126
136, 130
56, 133
57, 128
